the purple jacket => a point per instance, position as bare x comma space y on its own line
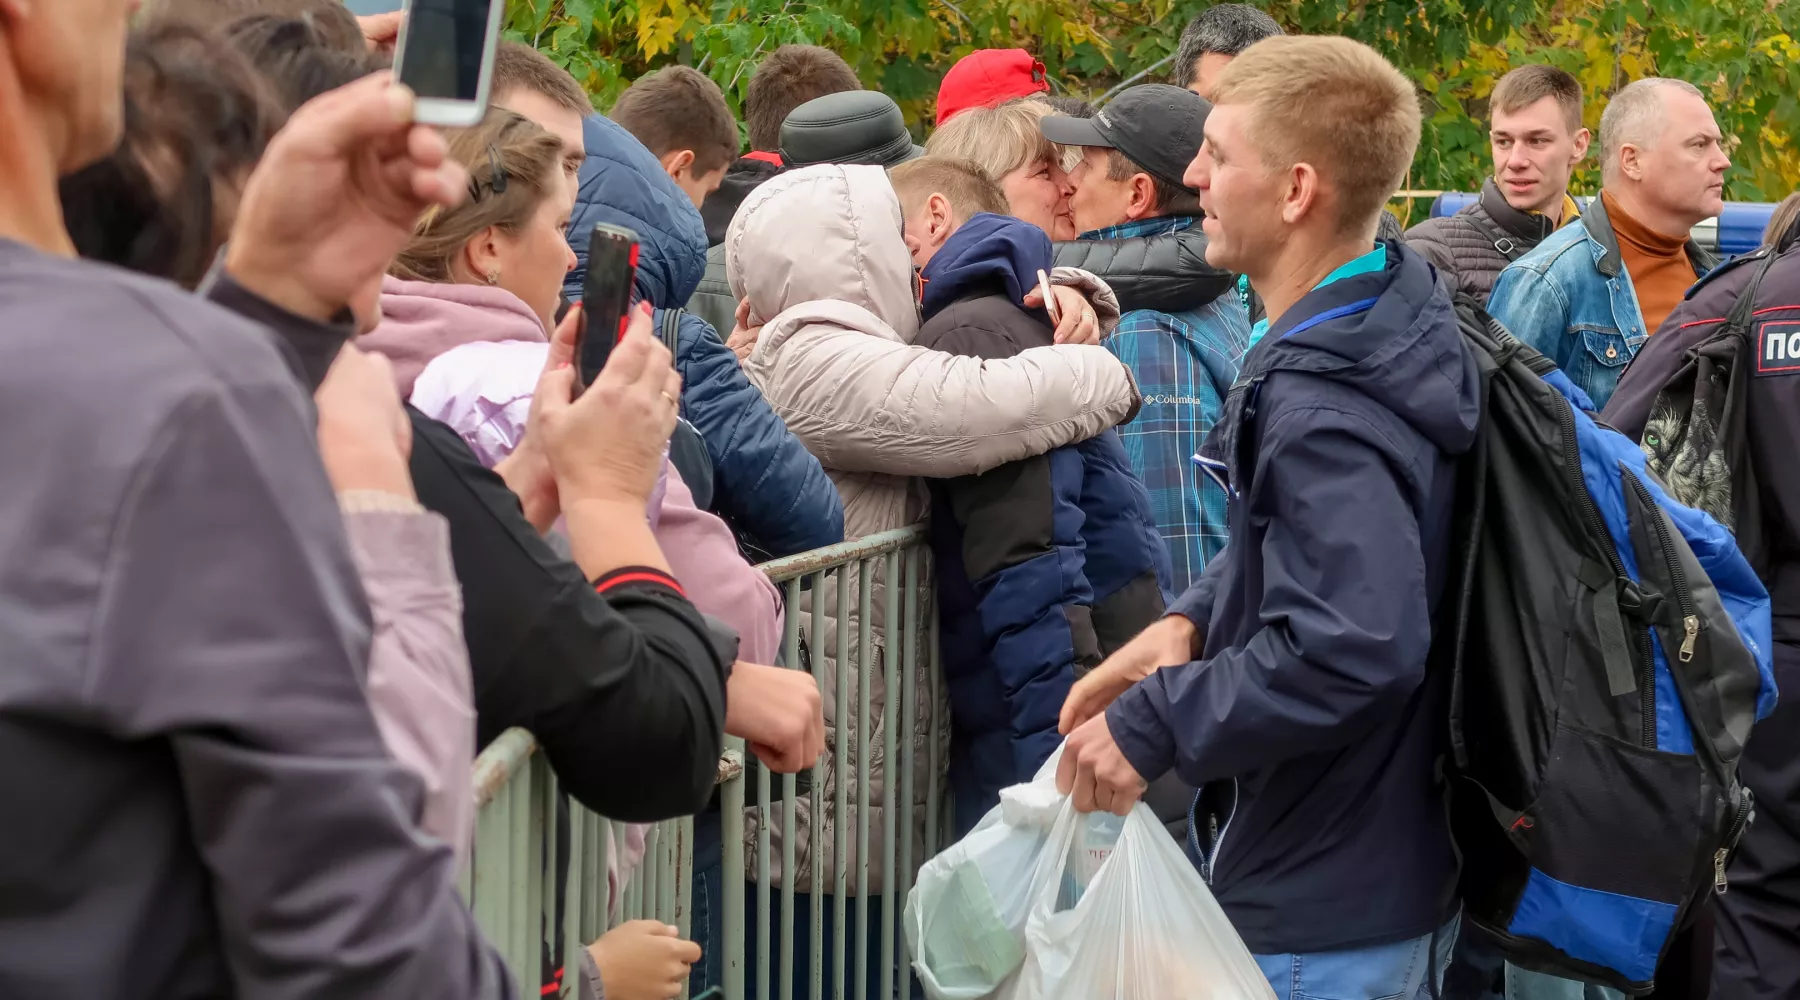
419, 683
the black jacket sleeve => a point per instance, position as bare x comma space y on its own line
625, 692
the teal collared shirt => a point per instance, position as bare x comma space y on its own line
1368, 263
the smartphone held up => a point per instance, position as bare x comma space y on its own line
446, 56
605, 298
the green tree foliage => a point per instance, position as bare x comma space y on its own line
1742, 53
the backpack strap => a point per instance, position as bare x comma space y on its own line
671, 328
1506, 245
1737, 322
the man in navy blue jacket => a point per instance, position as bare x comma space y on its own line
1294, 686
1044, 565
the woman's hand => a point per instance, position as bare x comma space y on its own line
364, 436
643, 960
779, 713
743, 336
527, 470
608, 445
1079, 324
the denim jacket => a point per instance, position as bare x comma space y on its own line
1571, 299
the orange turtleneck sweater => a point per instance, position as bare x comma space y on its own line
1658, 264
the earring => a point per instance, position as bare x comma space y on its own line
493, 277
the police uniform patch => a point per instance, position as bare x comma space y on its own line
1778, 348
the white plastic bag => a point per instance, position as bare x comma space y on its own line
1040, 902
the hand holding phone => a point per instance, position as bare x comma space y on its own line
446, 55
606, 298
1048, 291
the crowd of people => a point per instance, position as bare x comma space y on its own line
1182, 406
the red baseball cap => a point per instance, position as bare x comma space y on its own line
987, 77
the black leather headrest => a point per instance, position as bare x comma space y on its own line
856, 126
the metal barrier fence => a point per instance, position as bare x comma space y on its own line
531, 891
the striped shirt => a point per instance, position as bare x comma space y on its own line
1184, 364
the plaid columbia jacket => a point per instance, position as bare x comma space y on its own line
1184, 363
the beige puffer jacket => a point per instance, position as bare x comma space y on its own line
819, 251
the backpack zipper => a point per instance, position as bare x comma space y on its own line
1690, 622
1565, 415
1736, 831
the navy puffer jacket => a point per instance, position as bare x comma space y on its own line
765, 483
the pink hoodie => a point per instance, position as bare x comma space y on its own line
483, 392
421, 320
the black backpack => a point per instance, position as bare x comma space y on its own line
1606, 662
1695, 439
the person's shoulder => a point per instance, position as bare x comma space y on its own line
135, 339
1553, 253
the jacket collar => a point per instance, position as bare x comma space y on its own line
1600, 230
1142, 227
1532, 227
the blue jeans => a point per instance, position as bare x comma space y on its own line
1383, 972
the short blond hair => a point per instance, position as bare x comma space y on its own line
968, 188
1335, 104
998, 140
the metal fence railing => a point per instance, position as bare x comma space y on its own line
860, 617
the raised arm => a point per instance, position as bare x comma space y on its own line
864, 404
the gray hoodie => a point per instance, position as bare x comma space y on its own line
196, 800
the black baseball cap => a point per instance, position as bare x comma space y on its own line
1156, 126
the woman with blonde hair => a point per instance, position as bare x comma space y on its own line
1006, 143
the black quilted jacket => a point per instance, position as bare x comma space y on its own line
1472, 247
1167, 272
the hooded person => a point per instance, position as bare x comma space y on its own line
766, 486
835, 359
1045, 565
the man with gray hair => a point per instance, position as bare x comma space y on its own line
1590, 295
1214, 39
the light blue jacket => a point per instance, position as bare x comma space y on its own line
1571, 299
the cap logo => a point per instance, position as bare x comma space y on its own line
1104, 120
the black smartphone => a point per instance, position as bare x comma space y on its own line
605, 297
446, 55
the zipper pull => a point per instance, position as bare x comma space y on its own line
1719, 885
1690, 627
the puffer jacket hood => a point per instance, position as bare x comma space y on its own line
623, 184
423, 319
988, 253
824, 236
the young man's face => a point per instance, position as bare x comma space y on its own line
1098, 201
1241, 196
1683, 171
1535, 151
1206, 72
559, 121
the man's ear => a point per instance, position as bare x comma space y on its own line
1302, 196
1143, 198
1582, 138
678, 162
942, 220
1631, 164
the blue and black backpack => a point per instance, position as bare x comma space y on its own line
1608, 651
